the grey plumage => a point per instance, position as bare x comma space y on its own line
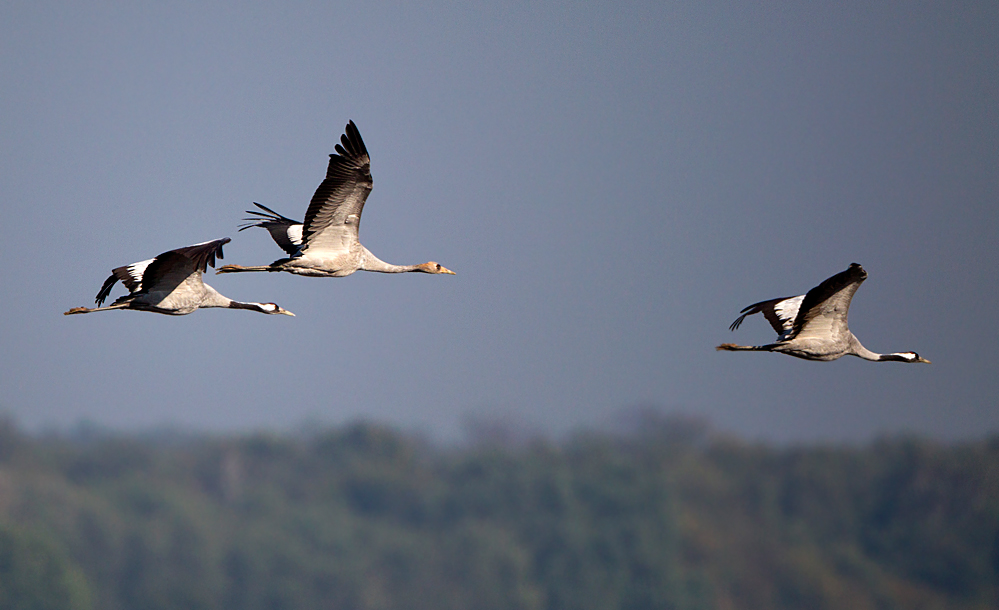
327, 243
172, 284
813, 326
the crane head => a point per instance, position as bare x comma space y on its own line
273, 308
433, 267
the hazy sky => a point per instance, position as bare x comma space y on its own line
612, 183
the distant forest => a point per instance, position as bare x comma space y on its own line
669, 515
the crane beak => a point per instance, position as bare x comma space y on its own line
286, 312
921, 359
447, 271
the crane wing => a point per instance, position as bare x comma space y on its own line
170, 269
130, 276
287, 233
823, 313
779, 312
334, 215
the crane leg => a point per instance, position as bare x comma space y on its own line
240, 269
77, 310
732, 347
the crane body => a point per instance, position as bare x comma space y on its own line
326, 244
813, 326
171, 284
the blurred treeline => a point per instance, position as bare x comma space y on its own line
668, 515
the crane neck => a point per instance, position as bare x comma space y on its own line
216, 299
268, 308
213, 298
862, 352
370, 262
240, 305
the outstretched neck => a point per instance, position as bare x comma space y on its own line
251, 306
862, 352
216, 299
895, 358
268, 308
370, 262
866, 354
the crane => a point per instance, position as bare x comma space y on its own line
813, 326
171, 284
327, 244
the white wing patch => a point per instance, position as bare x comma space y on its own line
135, 270
787, 311
295, 233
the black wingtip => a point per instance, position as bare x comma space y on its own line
351, 144
268, 215
105, 290
218, 252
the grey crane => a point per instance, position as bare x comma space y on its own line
171, 284
813, 325
326, 244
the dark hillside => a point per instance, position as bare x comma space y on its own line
364, 517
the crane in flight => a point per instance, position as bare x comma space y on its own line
327, 244
813, 325
171, 284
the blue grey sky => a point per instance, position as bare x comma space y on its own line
612, 183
